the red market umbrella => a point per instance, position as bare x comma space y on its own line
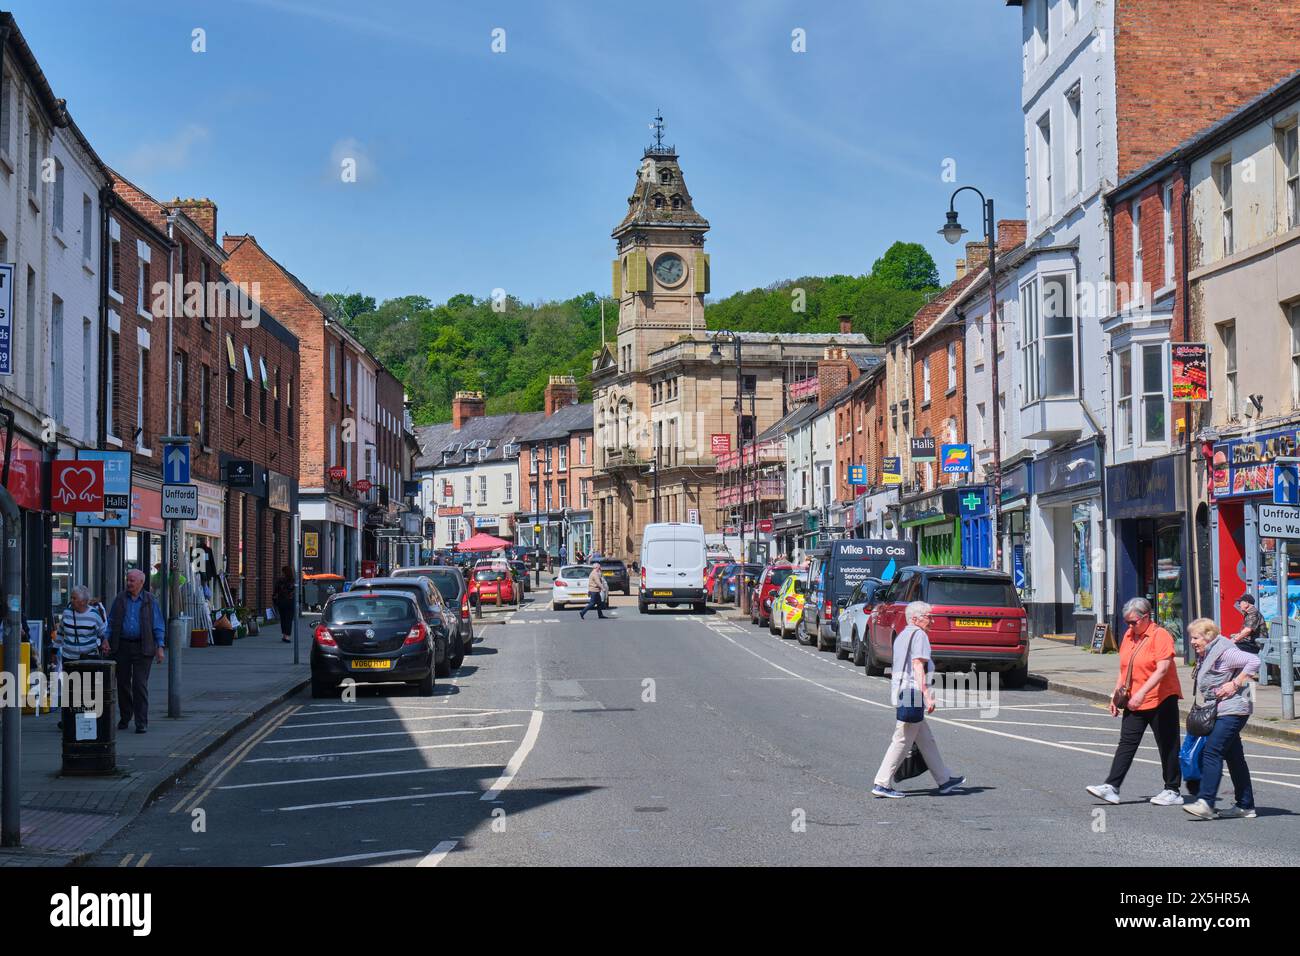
482, 542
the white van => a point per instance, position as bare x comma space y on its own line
672, 566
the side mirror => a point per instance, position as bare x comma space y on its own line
842, 603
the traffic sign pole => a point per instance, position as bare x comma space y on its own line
176, 471
1289, 470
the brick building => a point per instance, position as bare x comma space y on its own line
339, 413
555, 471
230, 386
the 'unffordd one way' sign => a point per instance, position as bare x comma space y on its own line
1279, 521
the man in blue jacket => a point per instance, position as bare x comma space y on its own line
135, 635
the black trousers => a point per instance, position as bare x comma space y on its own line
285, 613
1165, 727
595, 600
133, 666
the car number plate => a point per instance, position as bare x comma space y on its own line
609, 574
663, 593
973, 622
371, 665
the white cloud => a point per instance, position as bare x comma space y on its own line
171, 153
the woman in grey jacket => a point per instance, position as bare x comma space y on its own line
1223, 673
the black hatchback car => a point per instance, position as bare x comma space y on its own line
615, 572
450, 583
373, 637
437, 611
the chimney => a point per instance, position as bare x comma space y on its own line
961, 268
1011, 233
464, 406
846, 324
561, 390
834, 372
977, 256
202, 211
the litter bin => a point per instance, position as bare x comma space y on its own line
90, 742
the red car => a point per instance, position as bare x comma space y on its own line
765, 588
976, 619
715, 565
493, 587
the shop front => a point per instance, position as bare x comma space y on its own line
1066, 517
1017, 553
1147, 503
787, 532
1243, 562
329, 537
933, 521
876, 516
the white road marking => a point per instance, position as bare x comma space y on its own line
354, 709
438, 853
357, 803
517, 759
363, 776
346, 859
384, 720
1030, 723
382, 733
307, 758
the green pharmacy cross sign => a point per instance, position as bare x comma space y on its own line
974, 503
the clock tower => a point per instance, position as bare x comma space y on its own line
661, 274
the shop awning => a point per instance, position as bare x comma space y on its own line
482, 542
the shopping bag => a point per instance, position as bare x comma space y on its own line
1189, 756
913, 765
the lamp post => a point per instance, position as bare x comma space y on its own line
715, 356
952, 231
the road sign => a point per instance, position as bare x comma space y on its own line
180, 502
77, 486
1286, 481
176, 464
239, 473
692, 515
1279, 521
956, 460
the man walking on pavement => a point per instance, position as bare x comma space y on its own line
597, 593
135, 634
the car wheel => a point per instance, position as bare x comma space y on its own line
323, 688
699, 607
771, 626
467, 642
1017, 677
840, 653
458, 652
425, 687
821, 643
642, 607
859, 652
443, 667
874, 667
557, 606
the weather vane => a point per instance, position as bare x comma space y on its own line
658, 127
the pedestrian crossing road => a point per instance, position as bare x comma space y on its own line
679, 738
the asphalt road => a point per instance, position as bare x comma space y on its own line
671, 739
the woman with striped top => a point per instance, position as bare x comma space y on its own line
83, 630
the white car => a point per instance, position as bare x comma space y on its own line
570, 586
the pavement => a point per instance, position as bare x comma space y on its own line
1064, 667
674, 738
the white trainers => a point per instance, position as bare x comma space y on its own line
1201, 809
1168, 798
1105, 792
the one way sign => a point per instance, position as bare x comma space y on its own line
176, 464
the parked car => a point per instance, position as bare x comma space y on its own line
765, 587
749, 572
615, 572
977, 619
834, 571
672, 566
711, 571
435, 610
373, 637
720, 581
493, 585
570, 586
521, 575
855, 618
450, 583
788, 605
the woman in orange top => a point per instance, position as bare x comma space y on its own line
1147, 651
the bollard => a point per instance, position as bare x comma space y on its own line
180, 626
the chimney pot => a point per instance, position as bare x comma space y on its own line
846, 324
464, 406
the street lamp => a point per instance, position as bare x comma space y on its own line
715, 356
952, 231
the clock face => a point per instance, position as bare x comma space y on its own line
669, 269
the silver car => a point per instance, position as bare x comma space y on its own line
855, 620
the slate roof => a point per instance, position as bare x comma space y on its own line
491, 432
562, 422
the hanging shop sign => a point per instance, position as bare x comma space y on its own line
240, 473
891, 470
117, 490
857, 474
956, 460
279, 491
974, 503
6, 315
1068, 468
363, 485
450, 511
338, 472
1244, 466
923, 448
1190, 372
1017, 482
77, 485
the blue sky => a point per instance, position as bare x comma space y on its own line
478, 170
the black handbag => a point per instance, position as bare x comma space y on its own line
909, 713
1201, 717
913, 765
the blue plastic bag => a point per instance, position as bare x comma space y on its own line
1189, 756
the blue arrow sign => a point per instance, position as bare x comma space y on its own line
1286, 483
176, 464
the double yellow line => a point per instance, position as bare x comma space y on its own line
218, 773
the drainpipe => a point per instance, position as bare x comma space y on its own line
1189, 530
107, 201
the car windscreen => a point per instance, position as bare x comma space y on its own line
778, 576
576, 572
362, 609
970, 592
613, 565
489, 575
447, 582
